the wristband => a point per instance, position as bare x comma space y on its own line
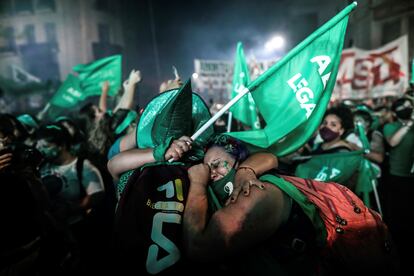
159, 150
247, 168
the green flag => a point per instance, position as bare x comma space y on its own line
69, 93
173, 120
94, 74
335, 167
174, 113
412, 71
364, 139
245, 109
339, 168
293, 94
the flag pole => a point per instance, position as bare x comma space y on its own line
229, 121
42, 113
219, 113
374, 188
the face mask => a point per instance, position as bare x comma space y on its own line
49, 153
404, 114
328, 135
224, 187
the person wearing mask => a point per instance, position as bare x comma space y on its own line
400, 137
336, 126
275, 230
76, 189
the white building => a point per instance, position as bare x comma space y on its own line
47, 37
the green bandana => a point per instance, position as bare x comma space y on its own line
223, 188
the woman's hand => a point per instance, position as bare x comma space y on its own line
178, 148
5, 160
244, 179
199, 174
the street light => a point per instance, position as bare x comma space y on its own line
276, 43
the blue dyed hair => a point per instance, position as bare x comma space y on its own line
231, 145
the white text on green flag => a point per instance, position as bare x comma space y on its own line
293, 94
94, 74
69, 93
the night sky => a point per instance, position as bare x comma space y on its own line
188, 30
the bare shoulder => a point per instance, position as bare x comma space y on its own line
270, 204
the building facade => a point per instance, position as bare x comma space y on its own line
377, 22
46, 38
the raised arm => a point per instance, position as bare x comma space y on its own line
134, 158
104, 97
127, 99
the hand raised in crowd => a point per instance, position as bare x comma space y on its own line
174, 84
244, 179
5, 160
134, 78
178, 148
199, 174
105, 87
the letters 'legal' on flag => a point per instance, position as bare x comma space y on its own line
293, 94
94, 74
245, 109
69, 93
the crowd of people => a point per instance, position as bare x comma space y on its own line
79, 195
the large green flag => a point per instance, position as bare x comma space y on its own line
94, 74
69, 93
245, 109
347, 168
293, 94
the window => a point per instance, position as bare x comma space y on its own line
6, 7
23, 6
46, 5
103, 33
7, 42
50, 30
29, 32
102, 5
390, 31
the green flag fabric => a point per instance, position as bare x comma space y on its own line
412, 71
364, 139
339, 168
293, 94
93, 75
172, 122
69, 93
245, 109
174, 113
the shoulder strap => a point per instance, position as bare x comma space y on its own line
79, 172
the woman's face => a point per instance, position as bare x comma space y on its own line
219, 161
333, 122
361, 120
4, 140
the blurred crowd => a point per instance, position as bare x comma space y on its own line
58, 198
